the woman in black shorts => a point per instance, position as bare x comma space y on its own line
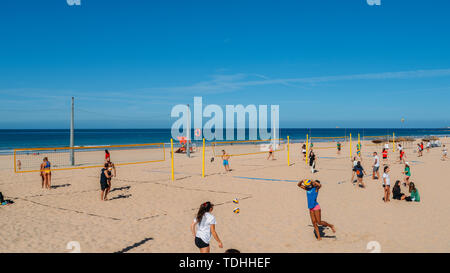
397, 192
206, 226
104, 185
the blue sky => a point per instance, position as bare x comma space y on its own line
327, 63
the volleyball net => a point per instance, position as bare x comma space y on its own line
330, 139
30, 159
247, 147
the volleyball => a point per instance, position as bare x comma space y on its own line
236, 210
307, 182
236, 201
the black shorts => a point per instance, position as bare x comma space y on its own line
398, 197
200, 243
104, 184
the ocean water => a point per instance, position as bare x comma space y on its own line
14, 139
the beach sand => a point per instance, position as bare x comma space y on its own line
148, 212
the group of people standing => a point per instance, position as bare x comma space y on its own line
386, 180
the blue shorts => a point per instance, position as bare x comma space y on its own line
225, 162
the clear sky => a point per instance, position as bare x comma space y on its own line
327, 63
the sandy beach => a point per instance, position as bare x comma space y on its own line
148, 212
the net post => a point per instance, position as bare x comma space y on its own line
307, 148
350, 145
393, 142
188, 133
15, 165
203, 159
72, 154
359, 142
288, 157
171, 152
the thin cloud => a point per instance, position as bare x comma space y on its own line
233, 82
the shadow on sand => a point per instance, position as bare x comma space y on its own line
322, 234
128, 248
60, 186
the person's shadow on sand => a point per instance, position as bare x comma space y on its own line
60, 186
128, 248
120, 196
322, 234
121, 188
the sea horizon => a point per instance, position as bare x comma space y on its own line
11, 139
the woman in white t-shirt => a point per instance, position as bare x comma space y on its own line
386, 184
206, 226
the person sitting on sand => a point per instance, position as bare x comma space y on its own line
312, 191
205, 223
444, 153
386, 184
414, 197
397, 192
104, 187
226, 158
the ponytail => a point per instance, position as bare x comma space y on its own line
204, 208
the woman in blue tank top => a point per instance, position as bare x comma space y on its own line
312, 191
